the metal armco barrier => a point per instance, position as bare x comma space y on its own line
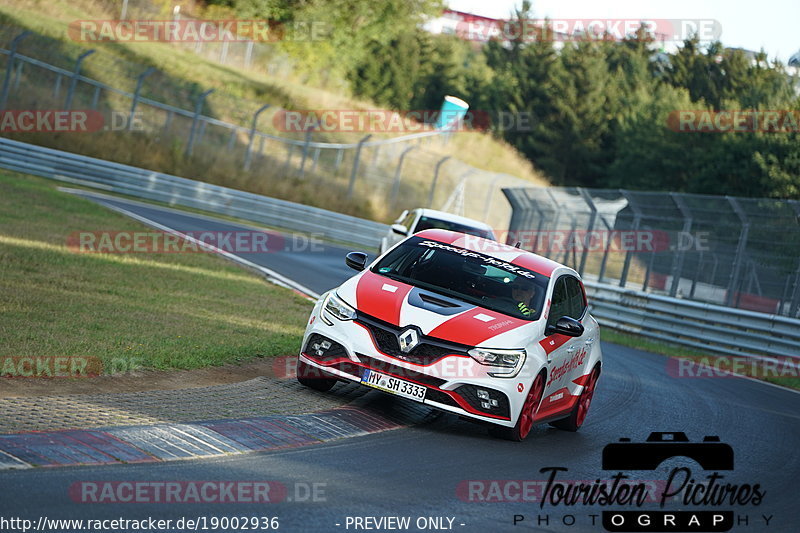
701, 326
173, 190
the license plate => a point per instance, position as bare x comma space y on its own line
394, 385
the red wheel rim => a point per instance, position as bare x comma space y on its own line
529, 407
586, 398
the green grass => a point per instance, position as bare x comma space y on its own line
155, 310
671, 350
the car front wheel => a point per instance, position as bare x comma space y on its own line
313, 377
578, 415
526, 415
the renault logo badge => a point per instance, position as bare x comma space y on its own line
408, 340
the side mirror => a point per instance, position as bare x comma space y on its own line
565, 326
356, 260
400, 229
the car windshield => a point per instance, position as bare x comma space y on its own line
434, 223
469, 276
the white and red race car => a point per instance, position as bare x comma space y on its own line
462, 324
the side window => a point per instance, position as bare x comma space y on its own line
577, 300
559, 304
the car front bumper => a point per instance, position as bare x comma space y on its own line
454, 382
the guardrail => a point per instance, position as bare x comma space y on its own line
173, 190
701, 326
696, 325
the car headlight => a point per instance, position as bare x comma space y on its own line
507, 362
335, 306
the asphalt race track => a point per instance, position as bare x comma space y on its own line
425, 470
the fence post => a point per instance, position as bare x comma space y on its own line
396, 186
794, 306
740, 248
338, 164
435, 179
794, 303
309, 131
57, 87
10, 66
75, 73
18, 75
248, 153
248, 54
95, 96
637, 219
588, 236
354, 171
198, 107
139, 81
315, 160
677, 263
604, 261
223, 53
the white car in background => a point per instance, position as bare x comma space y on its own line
411, 222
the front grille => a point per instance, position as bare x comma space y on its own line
400, 372
470, 394
426, 352
316, 348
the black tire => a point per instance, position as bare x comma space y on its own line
313, 378
577, 416
525, 420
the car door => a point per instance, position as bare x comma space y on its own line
566, 355
576, 294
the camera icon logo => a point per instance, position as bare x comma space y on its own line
711, 454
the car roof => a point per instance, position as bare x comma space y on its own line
503, 252
450, 217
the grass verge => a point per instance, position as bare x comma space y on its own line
159, 311
716, 364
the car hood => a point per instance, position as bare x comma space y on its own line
401, 304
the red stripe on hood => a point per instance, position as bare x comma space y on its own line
372, 299
466, 329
